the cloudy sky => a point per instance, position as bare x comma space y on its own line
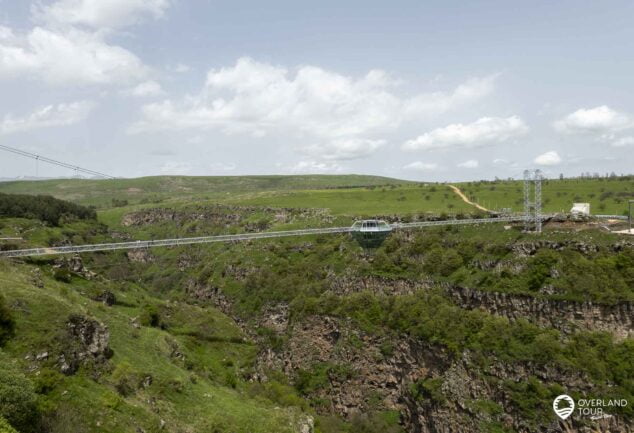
434, 90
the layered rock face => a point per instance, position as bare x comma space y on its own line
365, 372
566, 316
364, 375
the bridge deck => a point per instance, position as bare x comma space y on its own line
231, 238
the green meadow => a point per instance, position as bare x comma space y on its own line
351, 195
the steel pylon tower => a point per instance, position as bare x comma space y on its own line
533, 208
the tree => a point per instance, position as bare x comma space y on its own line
42, 207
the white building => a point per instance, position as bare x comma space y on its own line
580, 209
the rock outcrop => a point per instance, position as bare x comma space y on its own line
566, 316
140, 256
222, 216
75, 265
366, 372
87, 342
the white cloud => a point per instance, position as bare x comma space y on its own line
421, 166
484, 131
181, 68
343, 115
548, 158
100, 13
6, 34
315, 167
600, 119
147, 89
623, 141
222, 166
68, 57
176, 168
472, 163
344, 148
441, 102
48, 116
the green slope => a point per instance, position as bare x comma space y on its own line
194, 393
101, 192
343, 195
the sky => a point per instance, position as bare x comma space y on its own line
421, 90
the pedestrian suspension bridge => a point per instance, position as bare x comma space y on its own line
72, 249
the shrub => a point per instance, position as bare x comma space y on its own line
5, 427
47, 380
308, 381
17, 400
119, 203
230, 379
150, 316
62, 275
428, 389
7, 324
126, 379
375, 422
278, 393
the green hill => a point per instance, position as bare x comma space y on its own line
473, 328
353, 195
101, 192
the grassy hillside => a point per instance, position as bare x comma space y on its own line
197, 390
207, 323
606, 196
342, 195
404, 200
101, 192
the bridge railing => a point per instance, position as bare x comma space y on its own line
71, 249
611, 217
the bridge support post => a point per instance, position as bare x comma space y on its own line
533, 208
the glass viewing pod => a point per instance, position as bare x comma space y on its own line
370, 233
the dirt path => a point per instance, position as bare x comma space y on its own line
466, 200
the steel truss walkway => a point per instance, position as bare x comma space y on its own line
232, 238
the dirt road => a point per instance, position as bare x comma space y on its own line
465, 199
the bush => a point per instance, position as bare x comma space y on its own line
150, 316
7, 324
230, 379
47, 380
5, 427
278, 393
375, 422
443, 261
308, 381
62, 275
17, 400
126, 379
428, 389
42, 207
119, 203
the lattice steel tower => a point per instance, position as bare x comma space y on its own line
533, 208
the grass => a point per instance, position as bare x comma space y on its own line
158, 188
342, 194
191, 394
206, 390
405, 200
606, 196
